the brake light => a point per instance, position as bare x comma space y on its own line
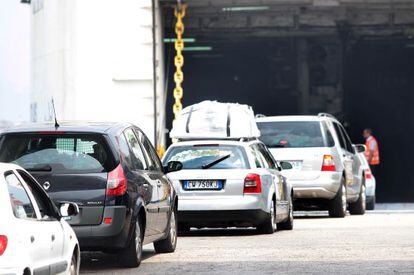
368, 174
117, 183
252, 184
3, 244
328, 163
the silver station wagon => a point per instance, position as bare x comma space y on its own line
230, 183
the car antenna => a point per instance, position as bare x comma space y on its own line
54, 112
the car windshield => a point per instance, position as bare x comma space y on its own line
291, 134
195, 157
57, 153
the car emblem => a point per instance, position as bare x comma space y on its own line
46, 185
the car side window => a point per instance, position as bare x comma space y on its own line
348, 142
22, 206
258, 157
124, 150
267, 157
41, 201
340, 136
153, 160
138, 158
330, 142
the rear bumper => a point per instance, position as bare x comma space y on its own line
222, 203
222, 218
106, 236
324, 187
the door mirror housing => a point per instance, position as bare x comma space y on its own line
68, 209
286, 165
173, 166
360, 148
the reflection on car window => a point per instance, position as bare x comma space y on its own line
138, 159
293, 134
20, 201
64, 153
194, 157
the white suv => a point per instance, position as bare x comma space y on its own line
327, 173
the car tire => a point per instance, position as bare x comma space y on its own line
168, 244
73, 269
371, 203
288, 224
337, 207
269, 225
358, 207
131, 256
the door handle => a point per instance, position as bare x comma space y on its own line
32, 239
53, 238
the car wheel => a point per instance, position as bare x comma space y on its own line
131, 255
371, 203
358, 207
73, 270
269, 225
168, 244
338, 204
287, 224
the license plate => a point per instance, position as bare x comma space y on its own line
296, 164
203, 184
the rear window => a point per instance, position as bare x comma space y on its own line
291, 134
195, 157
64, 154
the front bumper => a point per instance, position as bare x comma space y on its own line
324, 187
222, 218
106, 236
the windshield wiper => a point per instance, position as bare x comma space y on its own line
208, 165
40, 168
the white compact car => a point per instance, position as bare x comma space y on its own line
34, 236
370, 182
327, 173
230, 183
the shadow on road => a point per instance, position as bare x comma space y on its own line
214, 232
97, 261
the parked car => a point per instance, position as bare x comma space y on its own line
327, 173
112, 172
370, 182
34, 236
230, 183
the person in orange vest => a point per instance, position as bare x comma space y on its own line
372, 152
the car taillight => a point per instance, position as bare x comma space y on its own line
3, 244
368, 174
328, 163
252, 184
117, 183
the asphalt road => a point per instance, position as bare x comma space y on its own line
376, 243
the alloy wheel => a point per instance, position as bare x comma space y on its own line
173, 229
343, 198
138, 241
73, 266
273, 215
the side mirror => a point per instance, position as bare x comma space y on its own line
68, 209
286, 165
173, 166
360, 148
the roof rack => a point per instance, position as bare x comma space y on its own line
326, 115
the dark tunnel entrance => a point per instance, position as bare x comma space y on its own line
364, 76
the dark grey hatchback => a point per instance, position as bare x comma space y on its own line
115, 176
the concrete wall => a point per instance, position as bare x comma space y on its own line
95, 58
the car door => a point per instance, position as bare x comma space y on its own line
145, 181
346, 156
34, 233
48, 217
163, 185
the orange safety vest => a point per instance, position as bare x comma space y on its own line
372, 142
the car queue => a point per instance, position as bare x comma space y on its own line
117, 195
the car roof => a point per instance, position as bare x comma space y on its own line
67, 126
295, 118
8, 166
215, 141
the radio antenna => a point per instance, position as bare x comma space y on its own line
54, 112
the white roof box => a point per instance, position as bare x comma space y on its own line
215, 120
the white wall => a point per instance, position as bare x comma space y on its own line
14, 61
95, 58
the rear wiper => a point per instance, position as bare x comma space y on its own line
40, 168
208, 165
